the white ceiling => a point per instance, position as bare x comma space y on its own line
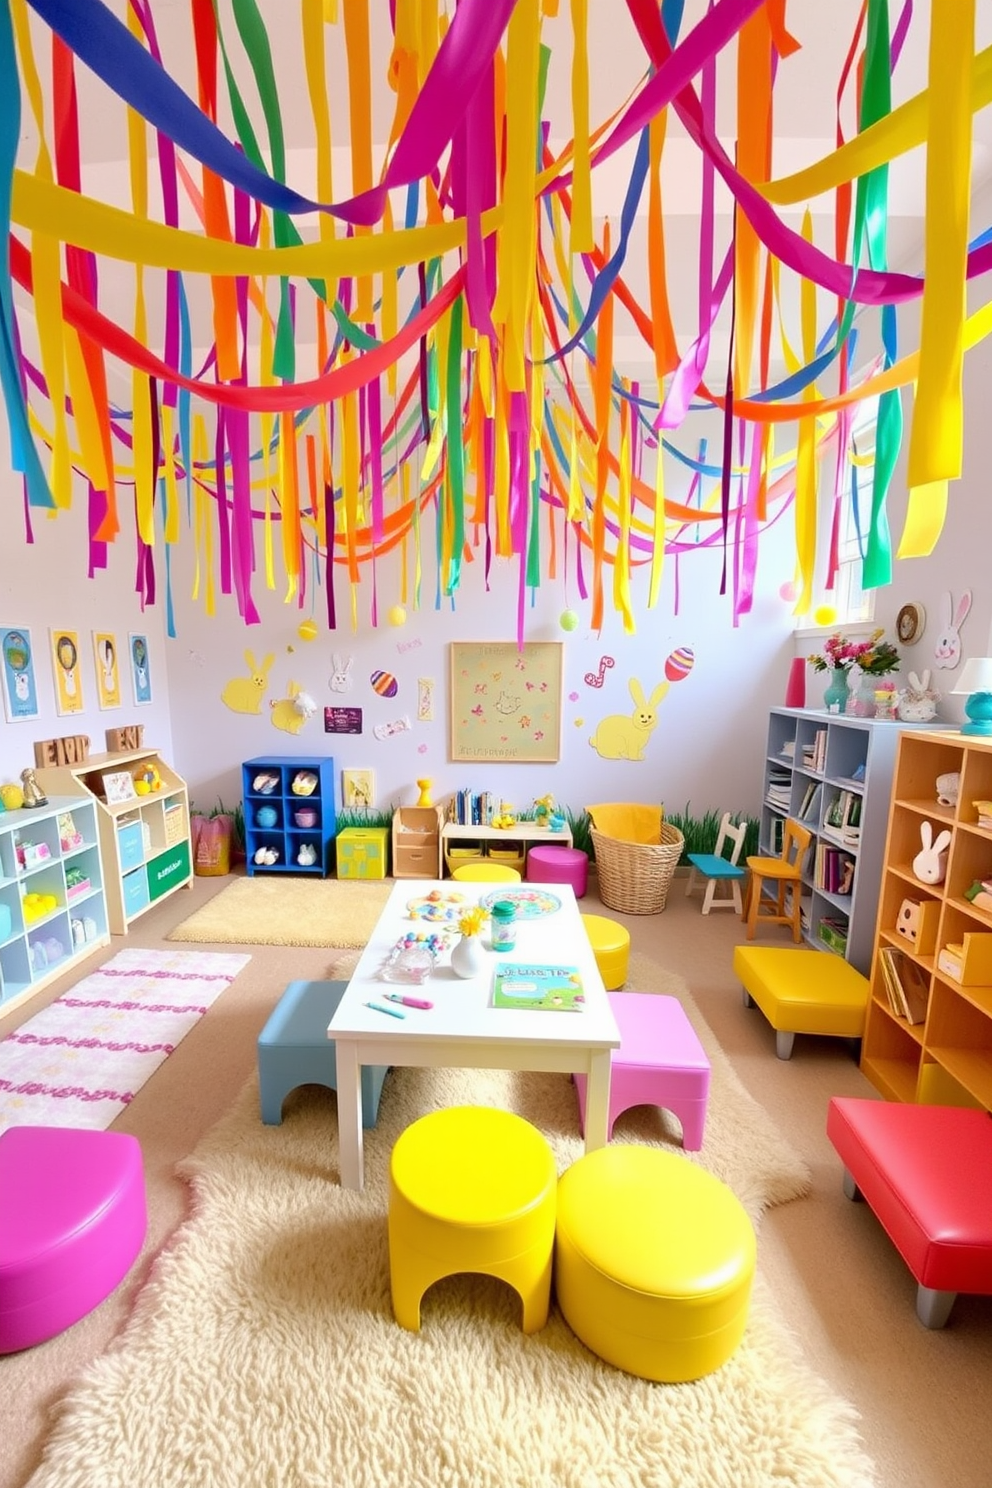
804, 123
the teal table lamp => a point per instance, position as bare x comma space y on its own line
976, 681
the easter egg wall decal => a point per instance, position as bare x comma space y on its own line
384, 683
679, 664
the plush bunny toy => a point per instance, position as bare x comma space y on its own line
930, 863
918, 702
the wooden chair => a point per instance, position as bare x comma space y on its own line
785, 873
720, 867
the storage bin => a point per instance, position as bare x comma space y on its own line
135, 886
361, 852
130, 845
168, 870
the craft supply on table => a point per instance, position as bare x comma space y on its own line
412, 966
503, 930
438, 907
414, 1002
528, 902
391, 1012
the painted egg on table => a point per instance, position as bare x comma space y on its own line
679, 664
384, 683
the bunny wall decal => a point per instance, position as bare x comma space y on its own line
620, 737
947, 647
244, 694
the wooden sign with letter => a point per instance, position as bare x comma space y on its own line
119, 739
72, 750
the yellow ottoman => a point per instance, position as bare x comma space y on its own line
802, 992
482, 872
610, 943
654, 1260
471, 1189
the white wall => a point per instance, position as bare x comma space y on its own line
43, 585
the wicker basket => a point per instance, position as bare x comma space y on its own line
634, 877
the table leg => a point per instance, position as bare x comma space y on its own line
351, 1160
598, 1099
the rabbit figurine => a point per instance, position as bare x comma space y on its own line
918, 702
244, 694
619, 737
947, 649
930, 863
341, 676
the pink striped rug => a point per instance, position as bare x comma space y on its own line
80, 1061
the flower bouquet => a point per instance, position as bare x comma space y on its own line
873, 657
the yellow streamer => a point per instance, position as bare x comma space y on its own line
517, 242
581, 238
936, 440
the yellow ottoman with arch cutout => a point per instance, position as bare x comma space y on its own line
654, 1260
471, 1189
610, 943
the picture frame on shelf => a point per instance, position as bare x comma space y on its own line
118, 786
357, 789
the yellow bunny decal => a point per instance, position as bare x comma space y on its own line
619, 737
244, 694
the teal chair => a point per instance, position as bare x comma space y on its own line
721, 868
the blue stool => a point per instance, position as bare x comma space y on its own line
293, 1049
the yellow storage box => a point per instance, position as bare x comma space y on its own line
362, 852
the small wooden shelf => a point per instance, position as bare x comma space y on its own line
290, 822
145, 840
947, 1058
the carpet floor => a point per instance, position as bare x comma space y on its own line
80, 1061
289, 911
262, 1350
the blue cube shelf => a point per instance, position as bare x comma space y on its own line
282, 821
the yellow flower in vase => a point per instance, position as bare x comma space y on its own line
472, 921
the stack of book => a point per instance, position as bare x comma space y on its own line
843, 818
810, 804
984, 809
907, 985
833, 870
815, 754
779, 788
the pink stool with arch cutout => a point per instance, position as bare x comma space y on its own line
552, 864
660, 1062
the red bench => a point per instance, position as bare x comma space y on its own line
926, 1171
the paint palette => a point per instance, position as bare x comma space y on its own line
529, 903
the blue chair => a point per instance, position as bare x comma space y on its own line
293, 1049
721, 868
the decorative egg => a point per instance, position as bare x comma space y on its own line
266, 816
307, 630
679, 664
385, 684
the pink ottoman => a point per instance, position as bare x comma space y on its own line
72, 1221
558, 865
660, 1062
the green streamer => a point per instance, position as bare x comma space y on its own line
455, 469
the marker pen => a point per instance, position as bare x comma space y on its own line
377, 1007
417, 1002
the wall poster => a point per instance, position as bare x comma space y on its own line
506, 701
20, 695
68, 676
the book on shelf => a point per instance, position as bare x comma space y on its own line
541, 988
907, 984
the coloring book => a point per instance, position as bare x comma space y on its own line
546, 988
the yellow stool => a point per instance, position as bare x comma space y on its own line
654, 1260
485, 873
802, 992
471, 1189
610, 943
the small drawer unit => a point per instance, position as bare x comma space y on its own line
362, 852
417, 842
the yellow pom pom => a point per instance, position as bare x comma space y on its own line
825, 615
397, 615
307, 630
12, 797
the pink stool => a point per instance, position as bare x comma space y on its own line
558, 865
74, 1220
660, 1062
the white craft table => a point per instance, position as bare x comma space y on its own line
463, 1029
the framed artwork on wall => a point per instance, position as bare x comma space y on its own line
506, 701
20, 693
357, 788
141, 679
67, 671
108, 677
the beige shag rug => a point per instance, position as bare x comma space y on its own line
288, 911
263, 1352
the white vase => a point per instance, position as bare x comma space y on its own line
468, 956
